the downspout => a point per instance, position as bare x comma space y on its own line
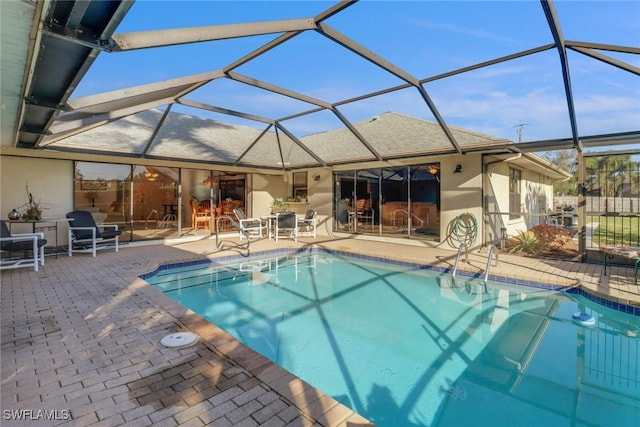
485, 170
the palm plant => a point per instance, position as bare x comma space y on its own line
525, 242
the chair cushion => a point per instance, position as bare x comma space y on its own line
287, 220
4, 230
240, 213
82, 219
22, 245
85, 219
110, 234
251, 224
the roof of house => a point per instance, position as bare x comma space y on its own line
39, 111
183, 136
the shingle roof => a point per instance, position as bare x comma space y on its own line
182, 136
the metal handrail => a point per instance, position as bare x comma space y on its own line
395, 214
235, 225
455, 264
488, 267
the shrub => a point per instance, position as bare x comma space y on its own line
525, 242
551, 236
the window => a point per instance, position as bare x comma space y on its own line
515, 178
104, 189
300, 185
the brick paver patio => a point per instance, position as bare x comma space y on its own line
81, 341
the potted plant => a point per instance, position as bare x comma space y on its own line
279, 205
33, 207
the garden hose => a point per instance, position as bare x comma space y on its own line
464, 230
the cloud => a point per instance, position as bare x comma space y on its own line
467, 31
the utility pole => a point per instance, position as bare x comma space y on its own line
520, 126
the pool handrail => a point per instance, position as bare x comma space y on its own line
489, 258
235, 225
455, 264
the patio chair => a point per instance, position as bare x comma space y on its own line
287, 223
85, 236
200, 214
307, 225
364, 212
252, 226
24, 242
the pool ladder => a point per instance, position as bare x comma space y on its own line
487, 268
235, 225
489, 258
455, 264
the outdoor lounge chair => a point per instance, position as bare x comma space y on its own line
25, 243
251, 226
307, 225
85, 236
286, 223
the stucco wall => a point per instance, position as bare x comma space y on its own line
263, 189
461, 193
536, 198
50, 181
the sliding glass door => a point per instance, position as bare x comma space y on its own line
155, 202
425, 200
395, 201
104, 189
400, 201
367, 209
343, 192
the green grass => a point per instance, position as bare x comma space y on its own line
616, 230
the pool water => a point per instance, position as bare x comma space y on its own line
405, 346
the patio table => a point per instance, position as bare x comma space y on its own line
40, 225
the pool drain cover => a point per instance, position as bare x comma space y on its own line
179, 339
457, 392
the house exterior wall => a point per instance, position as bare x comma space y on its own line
460, 193
536, 198
52, 181
265, 188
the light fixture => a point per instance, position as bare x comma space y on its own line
316, 177
208, 181
151, 176
434, 170
458, 169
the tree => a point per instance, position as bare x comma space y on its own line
611, 176
568, 161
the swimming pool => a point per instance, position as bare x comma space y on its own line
404, 345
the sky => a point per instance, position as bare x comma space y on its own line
423, 38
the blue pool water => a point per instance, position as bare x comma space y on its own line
405, 346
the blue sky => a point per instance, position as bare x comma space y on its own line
423, 38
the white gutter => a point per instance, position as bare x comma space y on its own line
508, 159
